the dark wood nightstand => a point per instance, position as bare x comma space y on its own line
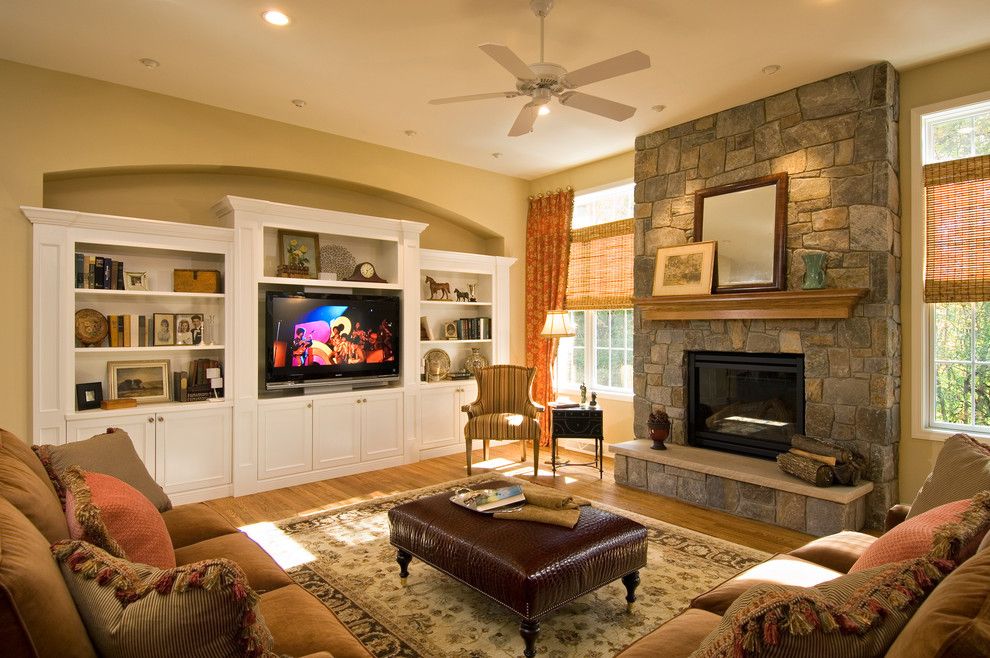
577, 423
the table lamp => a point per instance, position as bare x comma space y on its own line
558, 325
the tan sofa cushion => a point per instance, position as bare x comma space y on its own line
962, 470
29, 491
955, 620
837, 552
15, 447
678, 638
301, 624
780, 569
111, 453
262, 572
37, 615
188, 524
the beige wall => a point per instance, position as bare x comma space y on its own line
617, 169
53, 122
942, 81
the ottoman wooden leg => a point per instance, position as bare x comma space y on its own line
631, 581
403, 558
529, 630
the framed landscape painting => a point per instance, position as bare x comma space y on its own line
145, 381
685, 269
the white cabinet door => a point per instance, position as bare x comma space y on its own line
336, 431
381, 425
439, 416
194, 449
285, 438
139, 426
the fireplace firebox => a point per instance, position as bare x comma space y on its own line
745, 403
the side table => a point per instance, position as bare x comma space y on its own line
582, 422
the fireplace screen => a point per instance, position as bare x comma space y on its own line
746, 403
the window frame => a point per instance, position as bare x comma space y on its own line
922, 319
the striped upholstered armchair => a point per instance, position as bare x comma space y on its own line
504, 411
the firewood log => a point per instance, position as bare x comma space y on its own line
809, 470
810, 455
818, 447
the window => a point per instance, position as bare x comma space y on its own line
957, 266
599, 289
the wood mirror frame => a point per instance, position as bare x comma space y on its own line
778, 219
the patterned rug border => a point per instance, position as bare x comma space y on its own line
639, 518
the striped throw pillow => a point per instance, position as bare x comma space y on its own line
962, 469
204, 609
854, 616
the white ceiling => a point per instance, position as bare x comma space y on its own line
366, 69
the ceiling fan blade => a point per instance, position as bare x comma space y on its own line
525, 120
633, 60
596, 105
474, 97
509, 60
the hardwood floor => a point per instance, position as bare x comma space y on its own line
581, 481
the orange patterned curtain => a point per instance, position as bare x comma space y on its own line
548, 231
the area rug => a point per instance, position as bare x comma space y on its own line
353, 571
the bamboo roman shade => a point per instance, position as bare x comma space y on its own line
600, 269
957, 230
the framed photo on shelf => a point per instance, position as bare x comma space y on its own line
89, 395
184, 328
684, 269
298, 254
163, 325
135, 280
144, 381
450, 330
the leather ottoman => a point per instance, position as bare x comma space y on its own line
530, 568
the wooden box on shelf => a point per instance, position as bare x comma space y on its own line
207, 281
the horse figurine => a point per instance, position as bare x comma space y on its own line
462, 296
442, 288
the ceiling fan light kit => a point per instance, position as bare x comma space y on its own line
545, 81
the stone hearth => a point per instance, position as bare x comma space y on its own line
837, 140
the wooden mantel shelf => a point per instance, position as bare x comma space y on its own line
835, 303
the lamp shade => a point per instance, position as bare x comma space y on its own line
558, 325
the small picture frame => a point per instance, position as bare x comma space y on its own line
144, 381
135, 281
450, 330
299, 254
425, 332
685, 269
163, 329
184, 328
89, 395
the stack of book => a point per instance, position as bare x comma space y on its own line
130, 330
474, 329
193, 385
99, 272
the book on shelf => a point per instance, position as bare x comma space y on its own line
80, 270
489, 499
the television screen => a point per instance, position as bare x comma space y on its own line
317, 337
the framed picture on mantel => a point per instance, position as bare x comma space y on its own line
685, 269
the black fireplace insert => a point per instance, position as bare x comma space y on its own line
745, 403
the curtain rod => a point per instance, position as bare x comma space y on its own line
533, 197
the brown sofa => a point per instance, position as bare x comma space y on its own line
38, 618
953, 622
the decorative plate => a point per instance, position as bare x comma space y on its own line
337, 259
91, 326
437, 365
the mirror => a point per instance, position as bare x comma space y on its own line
748, 220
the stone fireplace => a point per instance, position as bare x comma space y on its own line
837, 141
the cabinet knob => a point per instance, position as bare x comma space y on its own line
151, 419
161, 419
365, 400
309, 405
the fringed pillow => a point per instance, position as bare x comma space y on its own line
856, 615
116, 517
204, 609
952, 531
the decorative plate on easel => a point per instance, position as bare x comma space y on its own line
437, 365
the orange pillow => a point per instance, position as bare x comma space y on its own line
113, 515
952, 531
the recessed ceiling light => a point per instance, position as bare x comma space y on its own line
410, 133
275, 17
658, 108
298, 102
543, 111
149, 63
771, 69
496, 155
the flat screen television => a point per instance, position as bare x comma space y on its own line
315, 339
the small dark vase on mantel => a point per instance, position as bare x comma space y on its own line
659, 426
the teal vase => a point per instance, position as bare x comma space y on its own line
814, 271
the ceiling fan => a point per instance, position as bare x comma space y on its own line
544, 81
